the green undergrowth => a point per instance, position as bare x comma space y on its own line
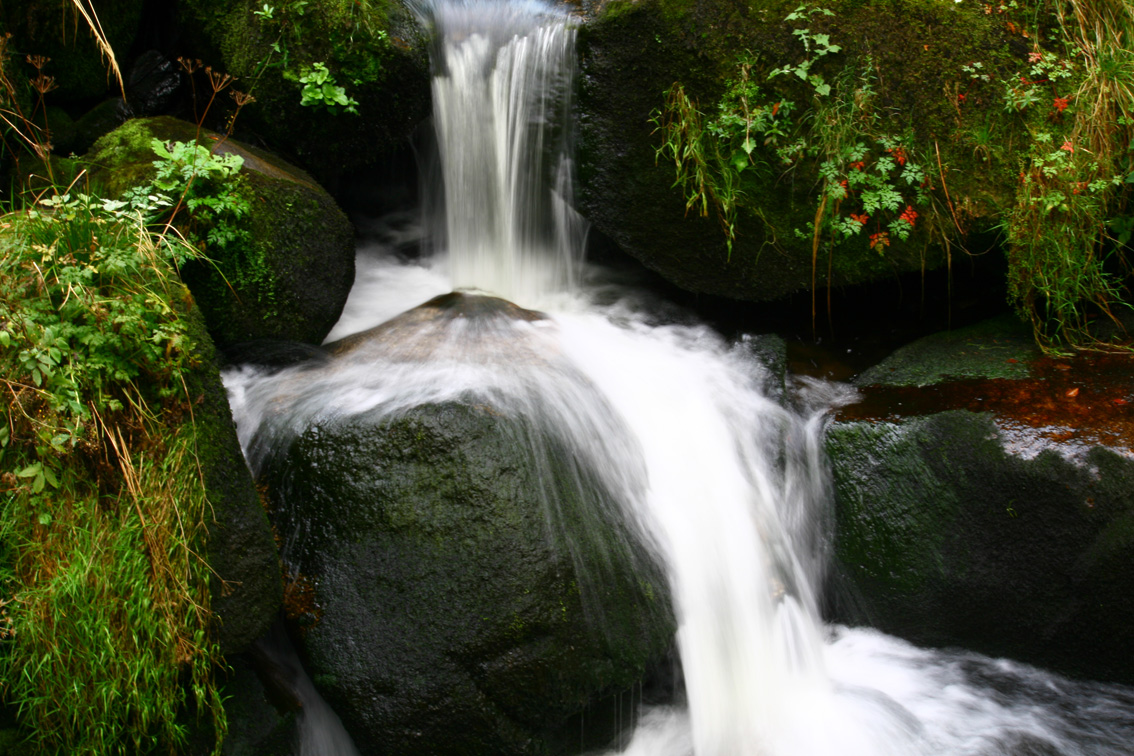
330, 76
1021, 124
107, 642
1068, 233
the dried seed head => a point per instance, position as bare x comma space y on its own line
242, 98
44, 84
218, 80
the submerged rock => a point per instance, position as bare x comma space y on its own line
466, 581
994, 514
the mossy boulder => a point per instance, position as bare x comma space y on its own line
1002, 347
245, 585
465, 581
375, 50
290, 269
996, 514
898, 74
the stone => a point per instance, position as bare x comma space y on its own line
993, 514
289, 277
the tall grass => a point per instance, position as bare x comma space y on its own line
108, 644
1064, 270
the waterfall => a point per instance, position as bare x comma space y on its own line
502, 99
727, 486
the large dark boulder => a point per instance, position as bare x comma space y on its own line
900, 63
994, 514
468, 583
289, 272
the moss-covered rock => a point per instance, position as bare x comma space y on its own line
245, 585
465, 582
983, 499
898, 74
950, 539
999, 348
450, 621
375, 50
287, 274
97, 122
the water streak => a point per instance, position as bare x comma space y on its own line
502, 101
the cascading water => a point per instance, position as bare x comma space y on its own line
502, 94
726, 485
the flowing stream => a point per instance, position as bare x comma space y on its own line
724, 483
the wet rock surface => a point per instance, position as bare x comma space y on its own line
463, 578
995, 514
444, 617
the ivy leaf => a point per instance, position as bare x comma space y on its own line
30, 470
44, 519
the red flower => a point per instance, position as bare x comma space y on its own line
1035, 57
909, 216
775, 109
879, 241
899, 154
860, 218
1068, 147
858, 166
1060, 104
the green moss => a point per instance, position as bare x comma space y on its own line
997, 348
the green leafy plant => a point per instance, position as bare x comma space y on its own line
1056, 253
321, 91
1065, 251
205, 183
816, 46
